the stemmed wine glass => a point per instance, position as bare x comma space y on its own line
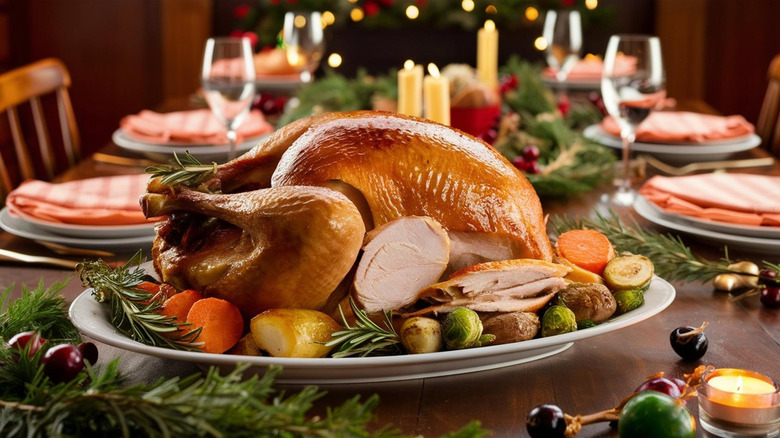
630, 94
563, 33
305, 42
228, 81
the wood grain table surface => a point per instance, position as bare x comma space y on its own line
594, 374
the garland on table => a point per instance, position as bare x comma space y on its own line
96, 402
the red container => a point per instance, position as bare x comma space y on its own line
475, 121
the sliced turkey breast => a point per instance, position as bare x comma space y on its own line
519, 285
400, 258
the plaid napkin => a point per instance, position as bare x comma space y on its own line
724, 197
109, 200
191, 127
684, 127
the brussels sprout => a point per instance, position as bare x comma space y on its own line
558, 320
628, 272
421, 335
585, 323
629, 300
463, 329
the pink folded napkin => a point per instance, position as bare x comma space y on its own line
591, 68
190, 127
109, 200
684, 127
724, 197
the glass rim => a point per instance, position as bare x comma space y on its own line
634, 36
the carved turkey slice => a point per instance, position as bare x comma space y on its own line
273, 248
519, 285
400, 258
393, 166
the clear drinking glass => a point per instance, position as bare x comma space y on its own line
305, 42
630, 93
228, 81
563, 33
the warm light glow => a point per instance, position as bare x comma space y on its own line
490, 26
334, 60
356, 14
293, 57
353, 1
591, 4
491, 9
299, 21
592, 57
409, 64
540, 43
467, 5
739, 384
412, 12
531, 13
328, 18
433, 70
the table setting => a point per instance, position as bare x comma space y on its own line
441, 250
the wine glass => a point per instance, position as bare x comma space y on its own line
563, 33
304, 42
228, 81
630, 93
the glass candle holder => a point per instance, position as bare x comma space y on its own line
739, 403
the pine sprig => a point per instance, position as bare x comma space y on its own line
186, 170
134, 312
365, 337
673, 260
42, 310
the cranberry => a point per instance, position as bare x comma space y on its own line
531, 153
89, 352
768, 276
22, 340
62, 363
662, 385
533, 167
546, 421
770, 296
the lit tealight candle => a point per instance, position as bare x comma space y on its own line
487, 54
410, 89
436, 95
738, 402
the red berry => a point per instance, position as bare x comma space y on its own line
770, 296
680, 384
768, 276
662, 385
490, 136
89, 352
370, 8
238, 33
241, 11
253, 38
22, 340
531, 153
534, 167
62, 363
520, 163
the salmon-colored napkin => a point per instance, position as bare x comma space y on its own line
191, 127
590, 69
724, 197
109, 200
684, 127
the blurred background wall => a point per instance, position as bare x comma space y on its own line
127, 55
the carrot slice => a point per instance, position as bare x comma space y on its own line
588, 249
220, 322
178, 305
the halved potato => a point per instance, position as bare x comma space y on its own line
293, 332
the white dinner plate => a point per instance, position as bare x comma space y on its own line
284, 84
22, 228
720, 227
760, 245
573, 84
164, 151
710, 151
92, 319
90, 231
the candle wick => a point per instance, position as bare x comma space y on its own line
739, 384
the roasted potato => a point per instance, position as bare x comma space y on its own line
293, 332
589, 301
511, 327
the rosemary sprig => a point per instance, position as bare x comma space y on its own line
42, 310
365, 337
187, 170
673, 260
134, 312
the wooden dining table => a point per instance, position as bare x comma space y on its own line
594, 374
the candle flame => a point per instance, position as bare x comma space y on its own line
433, 70
739, 384
490, 25
409, 64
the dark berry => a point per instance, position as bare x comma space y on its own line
62, 363
768, 276
534, 167
89, 352
531, 153
22, 340
490, 136
662, 385
770, 296
690, 343
680, 384
546, 421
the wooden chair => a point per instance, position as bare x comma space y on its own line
29, 84
768, 127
